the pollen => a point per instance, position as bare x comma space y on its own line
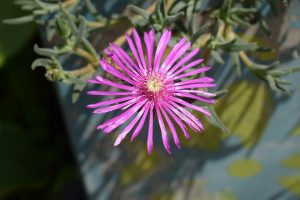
154, 84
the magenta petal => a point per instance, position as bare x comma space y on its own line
104, 81
188, 66
197, 80
104, 93
161, 47
122, 117
115, 107
177, 120
140, 125
199, 92
149, 41
128, 128
197, 71
184, 60
139, 47
150, 132
125, 58
197, 85
164, 134
183, 94
178, 54
108, 102
189, 115
172, 52
133, 75
108, 68
172, 128
133, 50
175, 108
182, 102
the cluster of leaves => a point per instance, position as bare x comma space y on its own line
68, 31
216, 34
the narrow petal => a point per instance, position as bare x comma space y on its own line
134, 52
194, 107
128, 128
198, 85
164, 134
104, 93
172, 128
149, 41
203, 99
161, 47
178, 54
193, 72
133, 75
199, 92
115, 107
150, 132
188, 66
108, 102
138, 43
184, 60
111, 70
118, 120
189, 115
197, 80
178, 121
141, 124
104, 81
172, 52
125, 58
176, 109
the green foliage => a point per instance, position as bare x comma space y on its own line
19, 35
69, 33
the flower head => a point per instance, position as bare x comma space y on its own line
153, 87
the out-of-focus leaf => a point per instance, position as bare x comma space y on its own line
141, 164
202, 30
19, 20
139, 11
292, 161
42, 62
236, 61
2, 58
177, 7
291, 183
160, 9
216, 56
215, 120
245, 168
12, 38
246, 110
172, 18
241, 45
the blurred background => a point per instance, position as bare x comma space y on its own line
36, 160
49, 148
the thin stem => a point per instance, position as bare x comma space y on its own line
82, 71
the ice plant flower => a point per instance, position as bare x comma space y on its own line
152, 87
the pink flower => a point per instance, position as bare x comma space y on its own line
153, 87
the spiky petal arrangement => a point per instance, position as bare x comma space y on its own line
153, 88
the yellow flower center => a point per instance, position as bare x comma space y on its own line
154, 84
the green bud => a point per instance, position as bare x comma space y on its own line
53, 75
63, 28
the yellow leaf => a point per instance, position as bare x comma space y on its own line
244, 168
291, 184
293, 161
